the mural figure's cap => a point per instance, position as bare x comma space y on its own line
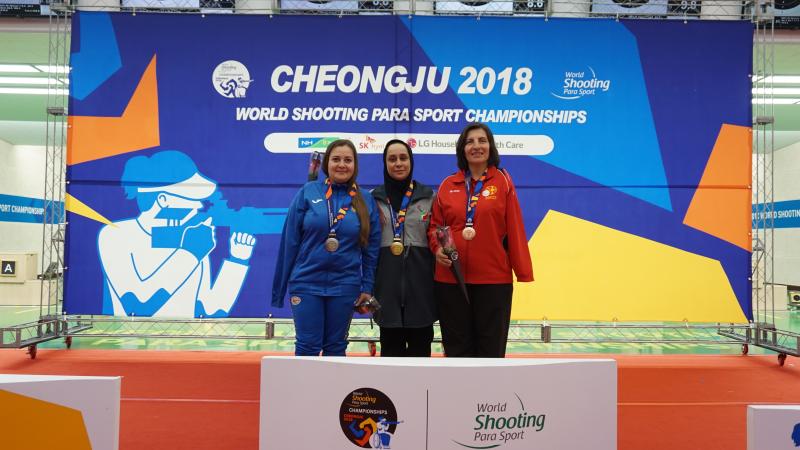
167, 171
196, 187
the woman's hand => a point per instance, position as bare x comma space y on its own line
362, 299
442, 259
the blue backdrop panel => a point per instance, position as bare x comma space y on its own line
609, 121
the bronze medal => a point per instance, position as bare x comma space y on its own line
331, 244
468, 233
397, 248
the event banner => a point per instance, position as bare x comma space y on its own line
785, 214
628, 142
14, 208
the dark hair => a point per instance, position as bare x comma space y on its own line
359, 204
461, 144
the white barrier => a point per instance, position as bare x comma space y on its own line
39, 411
423, 403
773, 427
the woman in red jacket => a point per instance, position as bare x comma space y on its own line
480, 205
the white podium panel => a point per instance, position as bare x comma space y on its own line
437, 403
773, 427
44, 411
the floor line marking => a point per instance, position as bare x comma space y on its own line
208, 400
185, 400
698, 403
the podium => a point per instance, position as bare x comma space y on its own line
773, 427
437, 403
69, 412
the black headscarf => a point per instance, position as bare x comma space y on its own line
395, 190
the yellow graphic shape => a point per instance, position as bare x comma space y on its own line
90, 138
721, 203
76, 206
32, 424
586, 271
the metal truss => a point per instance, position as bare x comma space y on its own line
110, 326
618, 9
642, 333
50, 324
762, 185
761, 332
363, 330
54, 222
30, 334
764, 333
782, 342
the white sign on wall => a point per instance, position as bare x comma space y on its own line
773, 427
8, 268
424, 403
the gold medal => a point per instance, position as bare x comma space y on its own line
468, 233
397, 248
331, 244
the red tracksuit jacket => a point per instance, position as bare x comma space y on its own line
483, 260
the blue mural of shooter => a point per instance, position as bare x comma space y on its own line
158, 264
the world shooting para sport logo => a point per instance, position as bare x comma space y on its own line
502, 422
231, 79
581, 84
368, 418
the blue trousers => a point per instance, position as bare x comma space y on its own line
321, 324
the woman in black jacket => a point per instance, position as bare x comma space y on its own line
404, 278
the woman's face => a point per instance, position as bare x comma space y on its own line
477, 148
398, 164
341, 164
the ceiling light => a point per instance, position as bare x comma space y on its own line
776, 101
18, 68
53, 69
779, 79
767, 91
32, 91
30, 80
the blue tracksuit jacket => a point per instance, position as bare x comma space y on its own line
304, 266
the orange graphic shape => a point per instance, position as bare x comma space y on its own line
721, 204
369, 426
90, 138
23, 419
363, 441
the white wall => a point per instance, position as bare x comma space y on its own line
21, 173
787, 240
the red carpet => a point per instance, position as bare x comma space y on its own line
209, 400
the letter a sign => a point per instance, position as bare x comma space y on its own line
8, 268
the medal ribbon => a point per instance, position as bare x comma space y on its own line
334, 221
399, 220
473, 196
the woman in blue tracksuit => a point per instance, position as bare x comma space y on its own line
328, 253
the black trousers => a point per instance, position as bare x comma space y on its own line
477, 329
406, 341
